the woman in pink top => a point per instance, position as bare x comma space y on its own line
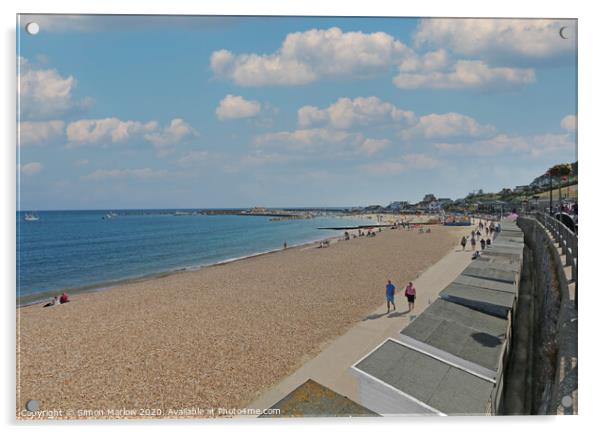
410, 295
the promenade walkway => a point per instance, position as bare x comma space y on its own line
331, 367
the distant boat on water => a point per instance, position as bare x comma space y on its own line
109, 216
30, 217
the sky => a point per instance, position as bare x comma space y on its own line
123, 112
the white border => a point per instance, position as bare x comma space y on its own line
590, 69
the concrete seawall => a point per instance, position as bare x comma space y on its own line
542, 372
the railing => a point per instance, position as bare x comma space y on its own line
567, 240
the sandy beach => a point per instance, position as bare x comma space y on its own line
212, 338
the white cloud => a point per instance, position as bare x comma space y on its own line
384, 168
194, 157
373, 146
421, 161
31, 168
112, 174
448, 125
403, 164
362, 111
40, 133
44, 92
534, 146
464, 74
106, 131
569, 123
326, 142
109, 131
260, 158
167, 138
431, 61
498, 38
307, 56
236, 107
308, 139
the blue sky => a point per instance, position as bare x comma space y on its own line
158, 112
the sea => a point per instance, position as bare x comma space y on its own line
77, 251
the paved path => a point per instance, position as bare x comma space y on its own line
331, 366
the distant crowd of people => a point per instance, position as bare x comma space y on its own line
477, 236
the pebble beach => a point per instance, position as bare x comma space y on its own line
213, 338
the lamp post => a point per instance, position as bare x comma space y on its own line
550, 175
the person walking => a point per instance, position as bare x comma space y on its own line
410, 294
463, 243
482, 243
473, 243
390, 291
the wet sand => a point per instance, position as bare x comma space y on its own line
211, 338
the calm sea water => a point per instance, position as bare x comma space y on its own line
78, 249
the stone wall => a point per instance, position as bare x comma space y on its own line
550, 308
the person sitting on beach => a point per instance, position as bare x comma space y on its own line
54, 302
390, 291
410, 294
476, 255
428, 230
64, 298
346, 236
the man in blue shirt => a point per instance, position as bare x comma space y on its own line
390, 295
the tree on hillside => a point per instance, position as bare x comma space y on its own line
559, 171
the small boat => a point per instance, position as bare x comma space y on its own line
30, 217
109, 216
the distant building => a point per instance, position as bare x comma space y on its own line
428, 198
374, 209
398, 205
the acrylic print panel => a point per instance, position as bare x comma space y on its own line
295, 216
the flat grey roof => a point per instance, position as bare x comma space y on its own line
433, 382
462, 331
486, 284
473, 295
490, 273
496, 263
